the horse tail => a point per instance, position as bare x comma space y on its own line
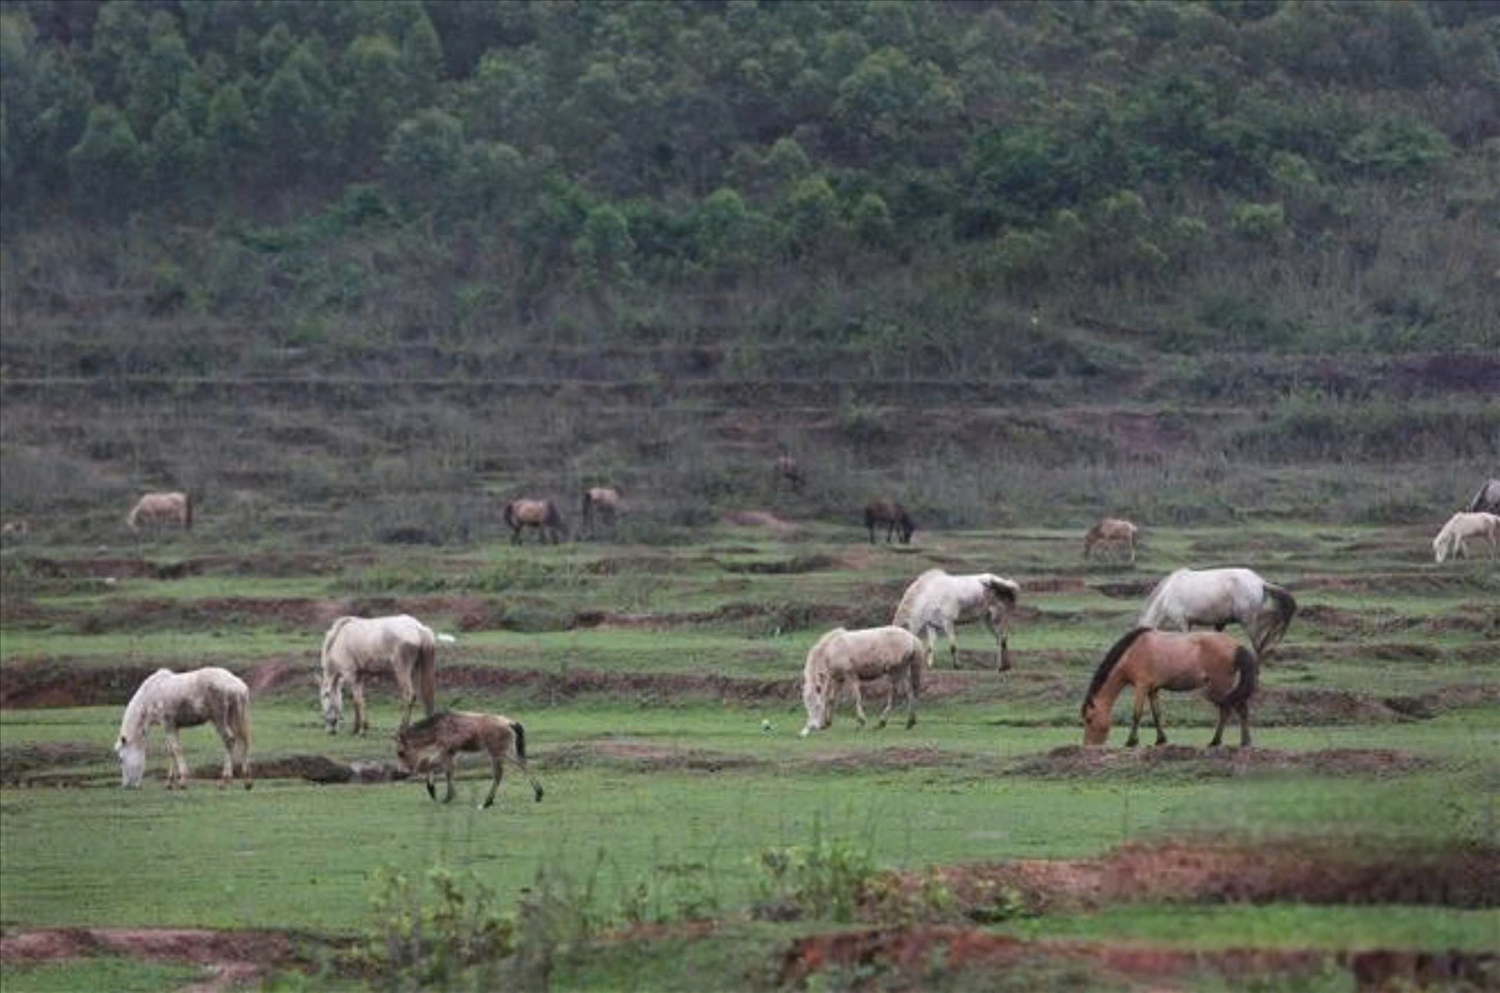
520, 738
187, 512
508, 515
427, 673
1248, 666
1111, 659
1285, 608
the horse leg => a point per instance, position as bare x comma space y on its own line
227, 736
1219, 730
177, 770
890, 701
952, 643
1244, 708
1161, 736
361, 717
408, 693
1135, 719
859, 705
911, 695
497, 769
449, 761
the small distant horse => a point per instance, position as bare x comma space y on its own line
787, 469
18, 528
847, 658
177, 700
1151, 661
936, 601
1110, 532
540, 514
434, 741
893, 516
354, 647
1216, 597
170, 507
1486, 499
1462, 526
603, 502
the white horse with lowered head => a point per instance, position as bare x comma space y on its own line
178, 700
171, 507
1215, 597
844, 659
936, 601
1462, 526
355, 647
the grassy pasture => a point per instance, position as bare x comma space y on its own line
644, 675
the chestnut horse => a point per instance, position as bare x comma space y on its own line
893, 516
1150, 661
434, 741
1111, 532
540, 514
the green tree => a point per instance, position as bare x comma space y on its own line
172, 159
104, 168
603, 249
423, 158
421, 64
157, 76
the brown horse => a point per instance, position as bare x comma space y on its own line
1152, 661
787, 469
603, 502
540, 514
893, 516
1111, 532
434, 741
173, 506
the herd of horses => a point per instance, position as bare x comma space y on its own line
1160, 652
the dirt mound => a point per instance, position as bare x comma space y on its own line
761, 519
1072, 761
900, 958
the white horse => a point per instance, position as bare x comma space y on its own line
175, 506
181, 700
1449, 542
936, 601
1486, 498
846, 658
1218, 596
354, 647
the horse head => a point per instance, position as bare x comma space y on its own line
331, 700
132, 755
1095, 722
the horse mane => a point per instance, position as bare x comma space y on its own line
424, 725
1111, 659
333, 633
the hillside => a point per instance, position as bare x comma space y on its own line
350, 271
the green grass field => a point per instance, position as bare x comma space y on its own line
665, 790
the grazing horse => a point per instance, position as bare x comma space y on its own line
847, 658
354, 647
893, 516
540, 514
601, 501
786, 468
1462, 526
1151, 661
177, 700
18, 528
936, 601
1218, 596
1486, 499
176, 507
1111, 532
434, 741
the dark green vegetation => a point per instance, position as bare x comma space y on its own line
682, 846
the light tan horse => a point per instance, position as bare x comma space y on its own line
1462, 526
183, 700
844, 659
540, 514
1113, 533
936, 601
172, 507
354, 647
1150, 661
603, 503
432, 743
893, 516
18, 528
